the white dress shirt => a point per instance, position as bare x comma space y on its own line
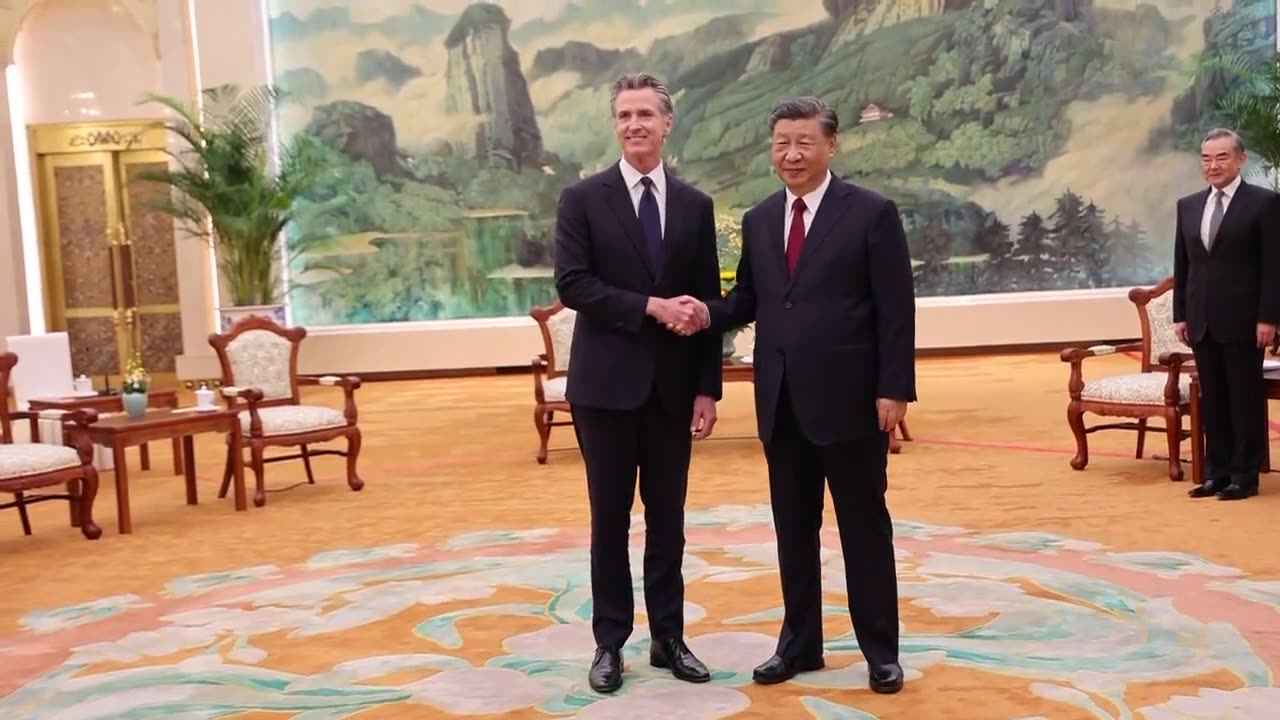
631, 177
811, 202
1228, 193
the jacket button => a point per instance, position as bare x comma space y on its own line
787, 306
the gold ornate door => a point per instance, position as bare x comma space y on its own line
108, 259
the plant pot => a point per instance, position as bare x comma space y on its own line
135, 403
230, 315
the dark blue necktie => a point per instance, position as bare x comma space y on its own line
651, 222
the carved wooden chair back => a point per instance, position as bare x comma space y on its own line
257, 352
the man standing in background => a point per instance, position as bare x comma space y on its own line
1226, 303
628, 241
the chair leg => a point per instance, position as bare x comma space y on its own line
542, 421
88, 493
75, 491
259, 472
1075, 418
353, 453
22, 513
1142, 438
906, 434
227, 472
306, 463
1173, 425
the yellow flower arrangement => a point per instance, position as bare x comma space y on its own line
136, 377
728, 249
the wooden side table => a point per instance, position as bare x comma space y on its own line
121, 431
156, 398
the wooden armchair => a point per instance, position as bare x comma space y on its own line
1161, 388
27, 466
259, 362
550, 370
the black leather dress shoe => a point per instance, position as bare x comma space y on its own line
886, 679
674, 655
1238, 491
606, 670
1209, 488
778, 669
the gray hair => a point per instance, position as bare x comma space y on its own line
640, 81
806, 108
1217, 133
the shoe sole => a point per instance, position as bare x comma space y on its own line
886, 689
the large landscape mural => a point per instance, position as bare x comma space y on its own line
1031, 144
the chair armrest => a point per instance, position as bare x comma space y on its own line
348, 383
539, 364
1175, 360
1077, 354
342, 381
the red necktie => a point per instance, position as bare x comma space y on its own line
795, 238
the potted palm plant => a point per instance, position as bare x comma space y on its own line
231, 188
1251, 107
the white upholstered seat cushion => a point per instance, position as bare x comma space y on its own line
288, 419
1134, 389
31, 458
553, 389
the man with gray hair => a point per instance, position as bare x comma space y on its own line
826, 276
1226, 304
633, 246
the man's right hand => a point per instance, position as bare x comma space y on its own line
1180, 329
684, 315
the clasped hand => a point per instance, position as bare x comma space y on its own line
684, 315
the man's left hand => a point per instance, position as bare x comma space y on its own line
891, 412
1266, 334
704, 417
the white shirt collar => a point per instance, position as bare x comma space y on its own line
631, 176
1229, 191
811, 199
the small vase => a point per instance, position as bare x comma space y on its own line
728, 344
135, 404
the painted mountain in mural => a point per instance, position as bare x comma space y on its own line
1032, 144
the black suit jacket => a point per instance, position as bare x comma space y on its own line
603, 271
1223, 293
841, 332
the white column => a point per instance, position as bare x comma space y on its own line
13, 286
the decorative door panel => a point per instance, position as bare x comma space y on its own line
81, 266
152, 281
108, 256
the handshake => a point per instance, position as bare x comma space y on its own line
684, 315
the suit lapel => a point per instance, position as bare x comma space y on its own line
775, 219
1236, 209
1191, 220
673, 233
833, 207
619, 198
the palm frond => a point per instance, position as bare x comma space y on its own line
224, 188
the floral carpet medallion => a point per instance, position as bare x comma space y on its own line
499, 622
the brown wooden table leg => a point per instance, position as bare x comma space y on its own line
123, 519
237, 463
186, 443
145, 454
179, 467
1197, 435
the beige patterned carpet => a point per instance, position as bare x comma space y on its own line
455, 583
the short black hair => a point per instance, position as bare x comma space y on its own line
806, 108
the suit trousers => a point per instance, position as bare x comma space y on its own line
615, 444
1233, 410
857, 474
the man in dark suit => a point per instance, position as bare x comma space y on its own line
1226, 303
630, 242
826, 276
